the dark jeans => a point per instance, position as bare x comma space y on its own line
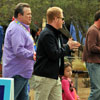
0, 56
20, 88
94, 73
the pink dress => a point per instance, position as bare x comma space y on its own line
67, 93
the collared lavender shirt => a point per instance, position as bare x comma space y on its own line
18, 51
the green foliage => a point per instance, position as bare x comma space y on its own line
81, 12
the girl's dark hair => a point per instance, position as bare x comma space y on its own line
67, 65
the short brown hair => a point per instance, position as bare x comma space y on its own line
19, 9
97, 15
53, 12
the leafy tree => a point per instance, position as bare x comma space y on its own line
80, 12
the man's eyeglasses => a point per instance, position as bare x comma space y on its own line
62, 18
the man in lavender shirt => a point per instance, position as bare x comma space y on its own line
18, 51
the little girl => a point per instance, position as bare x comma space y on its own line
68, 91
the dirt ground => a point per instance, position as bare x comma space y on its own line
82, 91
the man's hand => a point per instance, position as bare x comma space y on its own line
34, 56
73, 44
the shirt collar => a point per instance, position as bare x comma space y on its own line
56, 32
26, 26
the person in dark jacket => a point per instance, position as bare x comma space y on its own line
50, 57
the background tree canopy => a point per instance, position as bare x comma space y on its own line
79, 12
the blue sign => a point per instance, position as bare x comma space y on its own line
7, 88
2, 92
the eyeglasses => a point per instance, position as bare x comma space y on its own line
61, 18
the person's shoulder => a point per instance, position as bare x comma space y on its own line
65, 82
46, 32
63, 79
13, 26
92, 28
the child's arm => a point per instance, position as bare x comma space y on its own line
78, 98
65, 87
